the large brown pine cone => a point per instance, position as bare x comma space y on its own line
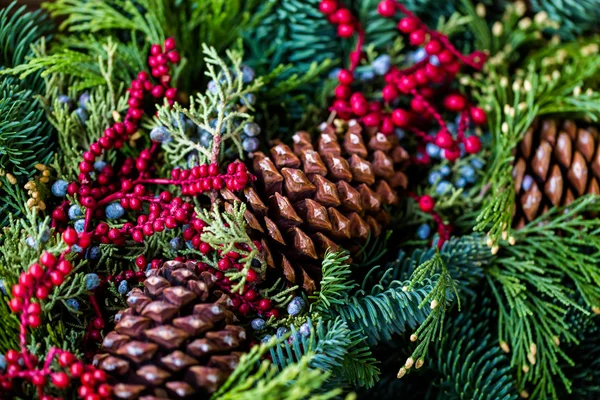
321, 194
177, 340
556, 163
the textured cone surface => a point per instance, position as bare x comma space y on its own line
557, 162
177, 339
320, 194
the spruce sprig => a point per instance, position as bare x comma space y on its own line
256, 379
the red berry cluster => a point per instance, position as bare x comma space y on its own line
420, 82
427, 205
246, 301
204, 178
339, 15
34, 286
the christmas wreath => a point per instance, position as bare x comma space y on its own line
286, 199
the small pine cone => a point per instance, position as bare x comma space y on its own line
177, 340
556, 163
321, 194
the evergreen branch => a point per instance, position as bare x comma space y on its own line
470, 364
544, 89
96, 16
336, 349
253, 379
212, 112
336, 282
226, 232
534, 282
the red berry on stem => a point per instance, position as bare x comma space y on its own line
478, 115
34, 321
472, 144
328, 7
76, 370
389, 93
345, 30
48, 259
343, 16
64, 267
41, 293
452, 154
455, 102
265, 304
387, 8
65, 359
407, 83
60, 380
372, 119
433, 47
36, 270
407, 25
57, 278
342, 91
345, 77
169, 44
401, 118
417, 37
444, 139
426, 203
251, 276
446, 57
70, 236
16, 304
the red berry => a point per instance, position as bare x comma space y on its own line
26, 280
87, 379
401, 118
452, 154
76, 369
455, 102
57, 278
478, 115
387, 125
272, 313
213, 169
387, 8
251, 295
265, 304
407, 83
100, 375
418, 105
345, 77
251, 276
42, 292
34, 321
421, 77
38, 379
426, 203
141, 261
417, 37
36, 270
244, 309
16, 304
472, 144
444, 140
174, 57
328, 7
104, 390
65, 359
343, 16
169, 44
433, 47
64, 267
85, 239
92, 396
407, 25
446, 57
70, 236
389, 93
47, 259
224, 264
345, 30
342, 91
372, 119
204, 248
137, 236
60, 380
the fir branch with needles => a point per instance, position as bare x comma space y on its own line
253, 378
214, 112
